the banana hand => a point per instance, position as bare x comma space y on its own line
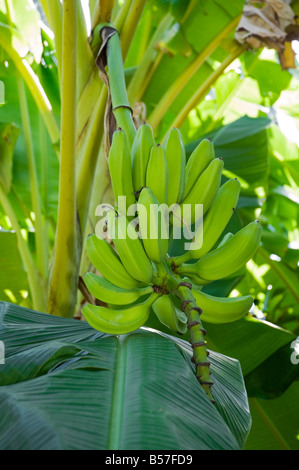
108, 263
219, 310
107, 292
228, 258
120, 321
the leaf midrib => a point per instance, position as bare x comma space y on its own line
117, 402
269, 424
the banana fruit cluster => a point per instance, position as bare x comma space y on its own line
136, 275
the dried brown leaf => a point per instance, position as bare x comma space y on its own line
273, 25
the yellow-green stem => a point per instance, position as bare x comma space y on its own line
40, 239
147, 65
149, 76
53, 12
88, 160
182, 81
85, 57
64, 276
130, 25
121, 16
102, 12
203, 89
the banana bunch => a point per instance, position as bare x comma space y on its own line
133, 273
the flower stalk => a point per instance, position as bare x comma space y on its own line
64, 276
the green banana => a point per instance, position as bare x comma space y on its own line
108, 263
198, 161
228, 258
140, 152
129, 247
218, 216
176, 162
107, 292
120, 169
219, 310
170, 315
119, 321
203, 192
152, 226
157, 174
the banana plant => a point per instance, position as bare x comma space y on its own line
55, 75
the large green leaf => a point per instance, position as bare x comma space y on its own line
275, 422
270, 77
265, 354
66, 386
13, 279
250, 340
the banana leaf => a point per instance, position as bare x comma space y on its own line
13, 279
66, 386
266, 354
275, 422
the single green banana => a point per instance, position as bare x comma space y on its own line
140, 152
198, 161
170, 315
219, 310
203, 192
107, 292
121, 170
157, 174
108, 263
129, 247
119, 321
153, 226
229, 258
176, 163
217, 218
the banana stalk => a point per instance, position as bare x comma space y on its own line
196, 331
111, 54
